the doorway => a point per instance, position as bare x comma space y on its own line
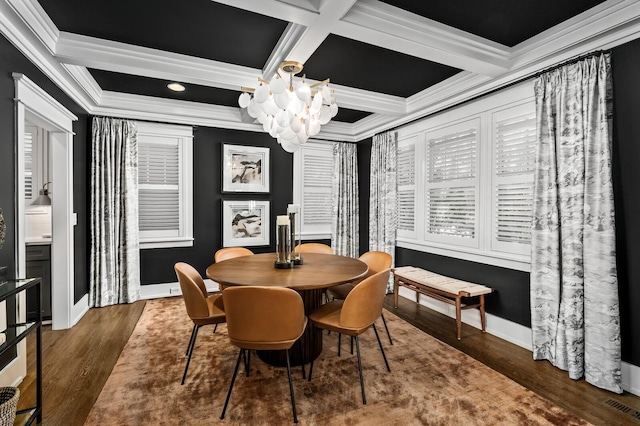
35, 106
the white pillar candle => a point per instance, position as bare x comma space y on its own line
293, 208
282, 220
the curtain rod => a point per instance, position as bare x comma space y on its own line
507, 85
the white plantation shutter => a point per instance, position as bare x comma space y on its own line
159, 187
318, 171
452, 183
29, 161
514, 161
406, 178
165, 191
312, 188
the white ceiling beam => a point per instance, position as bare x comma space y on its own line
298, 42
130, 59
379, 24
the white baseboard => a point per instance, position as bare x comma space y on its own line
512, 332
155, 291
79, 309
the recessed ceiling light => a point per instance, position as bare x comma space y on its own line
176, 87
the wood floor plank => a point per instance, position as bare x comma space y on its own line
77, 363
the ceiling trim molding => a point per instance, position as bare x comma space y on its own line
280, 53
21, 35
139, 107
130, 59
38, 21
608, 24
377, 23
86, 81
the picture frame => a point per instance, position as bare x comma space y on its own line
245, 169
245, 223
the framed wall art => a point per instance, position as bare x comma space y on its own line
245, 223
245, 169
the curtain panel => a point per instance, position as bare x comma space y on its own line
114, 255
574, 290
345, 222
383, 194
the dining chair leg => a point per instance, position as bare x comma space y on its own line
339, 342
193, 333
364, 398
384, 321
293, 398
310, 370
233, 380
247, 361
351, 345
215, 328
193, 344
381, 348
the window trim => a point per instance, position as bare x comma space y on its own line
184, 136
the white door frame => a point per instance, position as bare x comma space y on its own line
40, 108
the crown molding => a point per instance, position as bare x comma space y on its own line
607, 25
86, 81
32, 45
378, 23
139, 107
34, 16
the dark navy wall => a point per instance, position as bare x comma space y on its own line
156, 265
626, 179
11, 60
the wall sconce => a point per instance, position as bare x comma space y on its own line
43, 199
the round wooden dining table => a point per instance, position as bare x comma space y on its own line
318, 271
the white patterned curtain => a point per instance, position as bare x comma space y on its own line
115, 259
383, 193
574, 290
345, 223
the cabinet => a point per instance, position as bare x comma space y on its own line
16, 332
39, 265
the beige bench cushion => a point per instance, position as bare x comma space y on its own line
440, 282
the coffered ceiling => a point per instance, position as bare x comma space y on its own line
388, 61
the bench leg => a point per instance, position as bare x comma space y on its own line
396, 284
483, 320
459, 315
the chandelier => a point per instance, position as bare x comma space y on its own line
291, 112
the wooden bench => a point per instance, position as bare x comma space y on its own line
440, 287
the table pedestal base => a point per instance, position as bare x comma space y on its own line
309, 345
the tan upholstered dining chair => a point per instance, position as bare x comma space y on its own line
230, 253
355, 315
263, 318
314, 248
376, 261
201, 308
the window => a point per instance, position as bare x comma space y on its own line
312, 188
406, 177
465, 180
451, 186
514, 150
165, 185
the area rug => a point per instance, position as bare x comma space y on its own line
430, 382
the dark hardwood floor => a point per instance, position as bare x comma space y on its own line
77, 363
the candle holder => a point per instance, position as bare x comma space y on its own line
283, 243
296, 256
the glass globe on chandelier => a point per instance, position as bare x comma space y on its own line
291, 112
